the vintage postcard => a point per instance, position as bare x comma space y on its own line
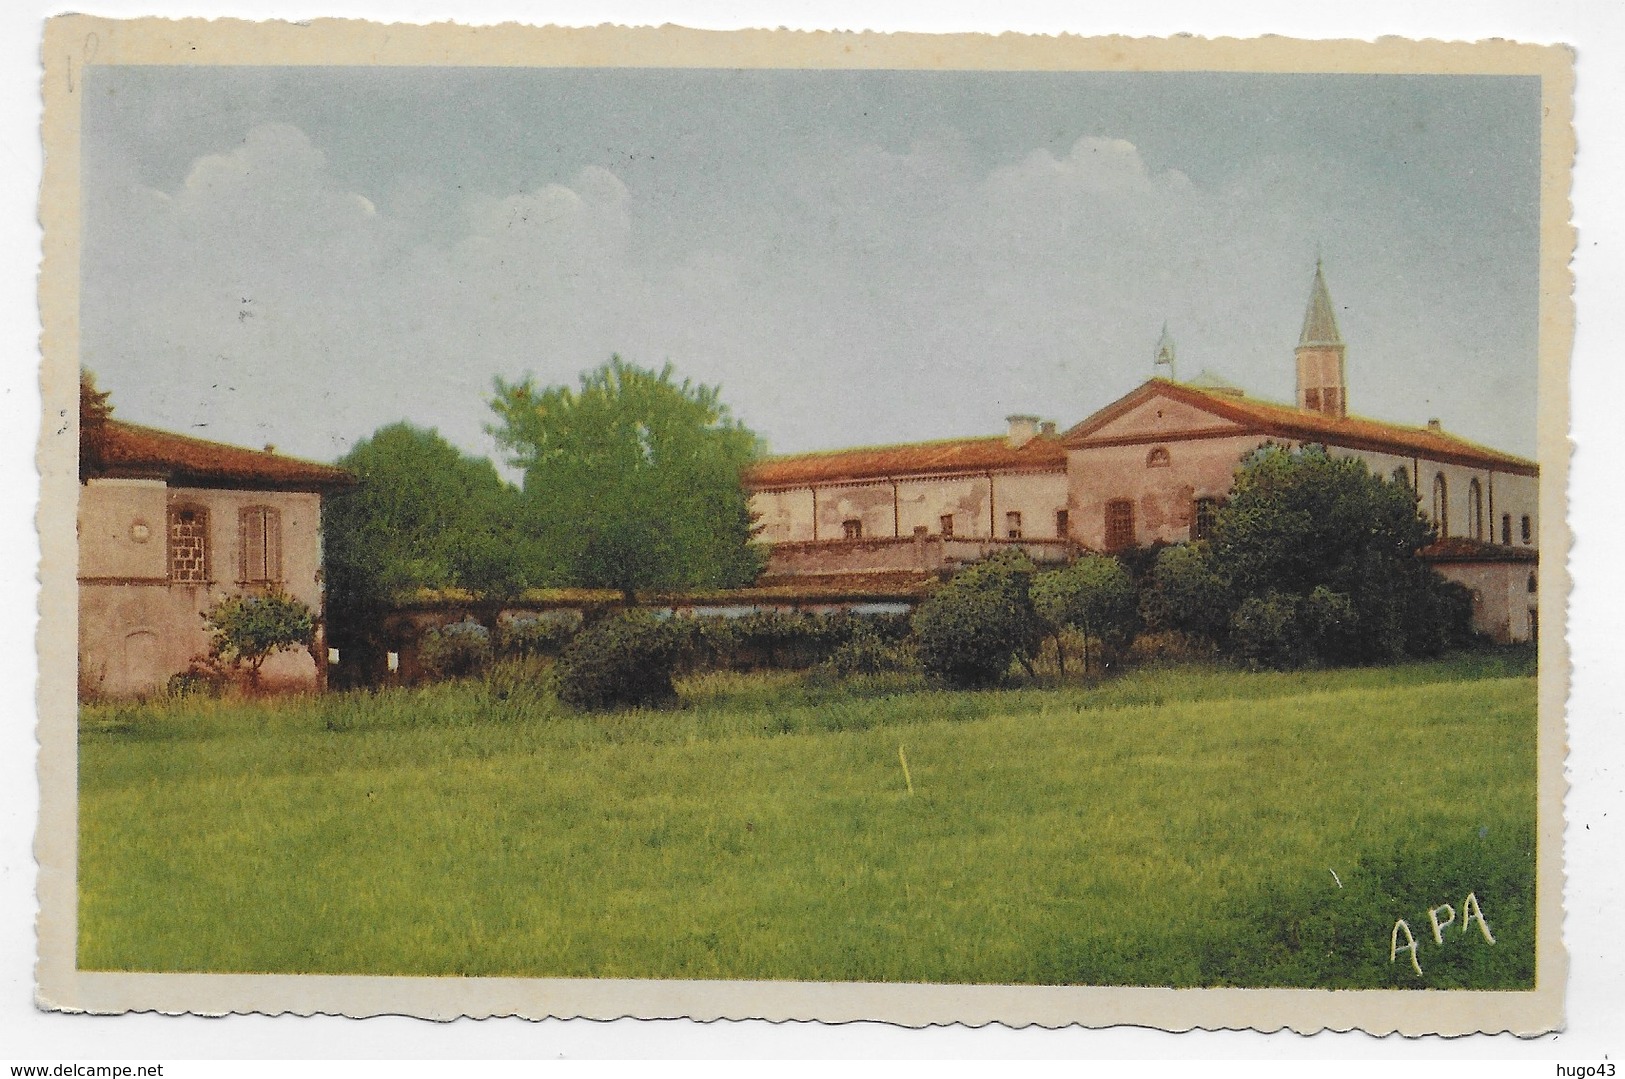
634, 522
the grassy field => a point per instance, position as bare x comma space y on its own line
1172, 826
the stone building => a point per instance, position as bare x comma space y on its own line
1151, 467
167, 526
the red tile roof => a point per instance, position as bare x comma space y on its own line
1462, 549
949, 456
1284, 421
129, 449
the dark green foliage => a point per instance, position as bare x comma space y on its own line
1320, 558
525, 636
1183, 592
624, 660
777, 640
868, 652
1095, 596
455, 651
971, 628
1311, 932
423, 515
632, 481
250, 629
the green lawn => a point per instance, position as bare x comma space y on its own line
1173, 826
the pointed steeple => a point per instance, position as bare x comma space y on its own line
1319, 319
1165, 354
1322, 380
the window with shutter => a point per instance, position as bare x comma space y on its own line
261, 547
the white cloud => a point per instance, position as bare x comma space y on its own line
849, 294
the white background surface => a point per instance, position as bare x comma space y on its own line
1595, 844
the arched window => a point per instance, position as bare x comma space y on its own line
1506, 530
188, 544
1441, 505
1528, 529
1475, 510
1534, 583
1158, 458
1119, 524
260, 552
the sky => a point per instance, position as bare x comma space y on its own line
300, 256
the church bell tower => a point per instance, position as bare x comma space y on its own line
1322, 380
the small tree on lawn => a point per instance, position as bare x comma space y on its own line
248, 630
970, 629
1095, 595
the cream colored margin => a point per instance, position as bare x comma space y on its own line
74, 42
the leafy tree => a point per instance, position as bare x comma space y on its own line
250, 629
1184, 592
94, 412
632, 480
422, 515
1317, 549
968, 631
1094, 595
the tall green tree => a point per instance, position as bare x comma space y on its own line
1318, 551
1094, 595
632, 479
422, 515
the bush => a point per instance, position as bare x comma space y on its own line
868, 652
250, 629
624, 660
1095, 596
455, 651
1265, 631
527, 635
971, 628
1184, 593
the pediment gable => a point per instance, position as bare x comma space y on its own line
1151, 416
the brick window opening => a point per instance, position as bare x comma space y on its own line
1012, 525
260, 550
852, 528
1506, 530
188, 545
1063, 524
1119, 524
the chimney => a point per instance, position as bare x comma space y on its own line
270, 447
1435, 426
1023, 429
1047, 429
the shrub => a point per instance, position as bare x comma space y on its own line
868, 652
250, 629
527, 635
455, 651
1265, 631
1183, 592
971, 628
623, 660
1095, 596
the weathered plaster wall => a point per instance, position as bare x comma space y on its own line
1502, 596
136, 627
1162, 495
888, 509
